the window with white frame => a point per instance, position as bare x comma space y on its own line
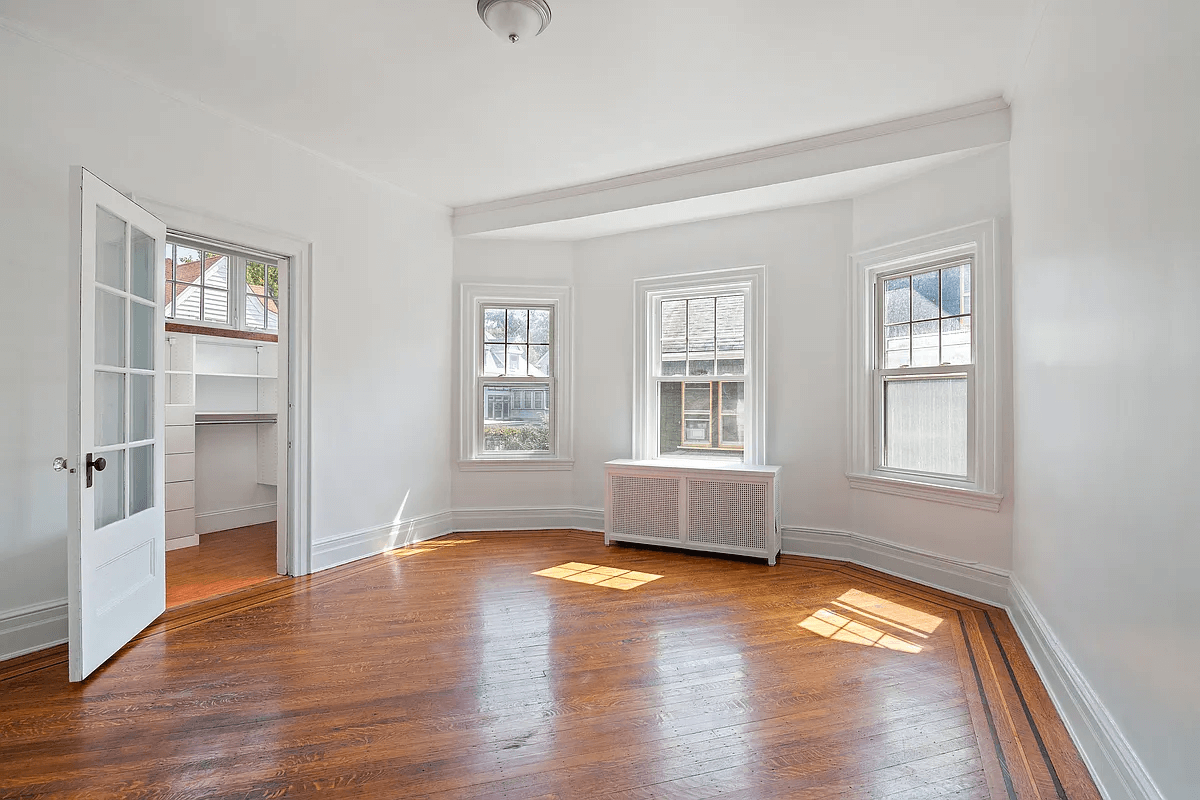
515, 367
924, 373
218, 287
700, 382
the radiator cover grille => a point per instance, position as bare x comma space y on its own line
645, 507
728, 513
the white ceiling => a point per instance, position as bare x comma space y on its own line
421, 94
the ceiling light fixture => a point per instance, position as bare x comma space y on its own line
514, 20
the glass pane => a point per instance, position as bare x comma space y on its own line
687, 426
141, 478
141, 407
895, 347
493, 324
110, 408
256, 305
518, 359
896, 300
110, 329
925, 344
518, 325
216, 270
141, 336
674, 326
169, 270
925, 425
925, 295
273, 282
731, 335
701, 366
956, 340
216, 305
110, 489
185, 302
493, 359
141, 266
702, 325
539, 326
110, 249
516, 417
733, 410
539, 360
956, 290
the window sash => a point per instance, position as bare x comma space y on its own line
882, 377
656, 330
482, 415
236, 291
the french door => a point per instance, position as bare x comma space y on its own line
116, 504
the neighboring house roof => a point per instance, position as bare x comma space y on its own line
186, 300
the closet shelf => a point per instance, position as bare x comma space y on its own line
234, 375
226, 418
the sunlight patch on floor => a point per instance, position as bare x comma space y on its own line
425, 547
596, 575
842, 627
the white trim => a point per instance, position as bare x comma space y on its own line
951, 495
181, 542
32, 628
473, 297
947, 131
646, 291
529, 519
229, 518
965, 578
334, 551
978, 241
294, 543
1114, 765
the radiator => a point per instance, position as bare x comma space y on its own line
721, 508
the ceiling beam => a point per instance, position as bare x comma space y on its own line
952, 130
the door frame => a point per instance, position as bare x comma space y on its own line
294, 538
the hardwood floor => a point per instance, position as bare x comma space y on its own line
450, 669
223, 562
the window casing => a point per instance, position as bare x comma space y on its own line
220, 287
515, 377
700, 383
925, 395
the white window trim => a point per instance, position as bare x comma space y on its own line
647, 291
984, 490
474, 297
236, 290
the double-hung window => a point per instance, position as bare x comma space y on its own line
515, 365
924, 380
220, 287
700, 390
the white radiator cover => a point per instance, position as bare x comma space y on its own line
721, 508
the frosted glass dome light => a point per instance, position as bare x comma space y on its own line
515, 20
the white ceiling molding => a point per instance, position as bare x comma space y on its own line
952, 130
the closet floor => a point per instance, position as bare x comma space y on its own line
223, 562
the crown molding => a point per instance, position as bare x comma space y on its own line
950, 130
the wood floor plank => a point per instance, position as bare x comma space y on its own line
450, 669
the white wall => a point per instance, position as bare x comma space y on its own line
805, 253
973, 189
1106, 232
513, 263
381, 296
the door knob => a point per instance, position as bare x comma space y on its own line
60, 465
94, 464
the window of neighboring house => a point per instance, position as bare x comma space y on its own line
924, 378
515, 365
221, 289
701, 390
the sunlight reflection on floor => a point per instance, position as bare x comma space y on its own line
611, 577
844, 627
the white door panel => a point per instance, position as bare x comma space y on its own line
116, 503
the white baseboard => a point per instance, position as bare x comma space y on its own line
31, 628
976, 581
213, 521
1118, 772
183, 541
342, 549
529, 519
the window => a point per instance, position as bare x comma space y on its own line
209, 286
514, 370
924, 384
701, 391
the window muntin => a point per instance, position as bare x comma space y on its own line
518, 391
924, 368
203, 286
697, 337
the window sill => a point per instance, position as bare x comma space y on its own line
515, 465
952, 495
